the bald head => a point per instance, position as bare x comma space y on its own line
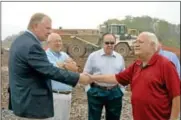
53, 36
55, 42
146, 44
151, 37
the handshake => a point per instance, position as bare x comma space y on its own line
85, 78
71, 65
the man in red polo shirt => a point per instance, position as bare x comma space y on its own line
153, 79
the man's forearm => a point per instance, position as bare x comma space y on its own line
175, 108
105, 78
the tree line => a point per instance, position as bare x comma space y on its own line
167, 32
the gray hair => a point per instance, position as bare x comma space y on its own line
36, 18
153, 38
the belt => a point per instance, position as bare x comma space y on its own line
61, 92
103, 87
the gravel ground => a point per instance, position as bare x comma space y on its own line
79, 99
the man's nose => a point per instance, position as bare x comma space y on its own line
136, 45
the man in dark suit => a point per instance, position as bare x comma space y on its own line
30, 72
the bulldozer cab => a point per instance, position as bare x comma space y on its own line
123, 39
133, 32
119, 30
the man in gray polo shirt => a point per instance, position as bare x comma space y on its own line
104, 61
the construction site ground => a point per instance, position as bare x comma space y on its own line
79, 99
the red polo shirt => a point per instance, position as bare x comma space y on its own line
153, 88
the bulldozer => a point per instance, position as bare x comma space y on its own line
124, 39
133, 32
79, 43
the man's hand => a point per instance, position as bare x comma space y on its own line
71, 65
68, 64
85, 79
60, 65
70, 60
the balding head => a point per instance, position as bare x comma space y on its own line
40, 25
55, 42
146, 43
53, 36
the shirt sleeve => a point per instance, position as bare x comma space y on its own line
88, 65
125, 77
66, 55
171, 80
50, 58
123, 64
37, 59
177, 63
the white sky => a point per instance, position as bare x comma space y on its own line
16, 15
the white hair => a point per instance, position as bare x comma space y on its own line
152, 37
51, 36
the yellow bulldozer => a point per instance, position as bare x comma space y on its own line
124, 37
79, 43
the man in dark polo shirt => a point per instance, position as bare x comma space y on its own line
154, 82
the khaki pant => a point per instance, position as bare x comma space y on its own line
62, 106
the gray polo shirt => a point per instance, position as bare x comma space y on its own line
99, 63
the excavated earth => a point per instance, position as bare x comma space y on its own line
79, 99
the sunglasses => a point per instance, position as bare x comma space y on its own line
112, 43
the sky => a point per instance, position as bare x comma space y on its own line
15, 15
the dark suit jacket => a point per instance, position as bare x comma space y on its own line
29, 78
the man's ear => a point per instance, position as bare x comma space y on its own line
34, 26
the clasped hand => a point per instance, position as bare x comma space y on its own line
85, 79
71, 65
68, 64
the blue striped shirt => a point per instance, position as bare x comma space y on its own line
172, 57
54, 57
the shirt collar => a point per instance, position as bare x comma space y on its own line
55, 53
150, 62
103, 53
33, 35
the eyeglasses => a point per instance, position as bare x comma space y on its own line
112, 43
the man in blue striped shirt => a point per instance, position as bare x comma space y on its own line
62, 92
171, 56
